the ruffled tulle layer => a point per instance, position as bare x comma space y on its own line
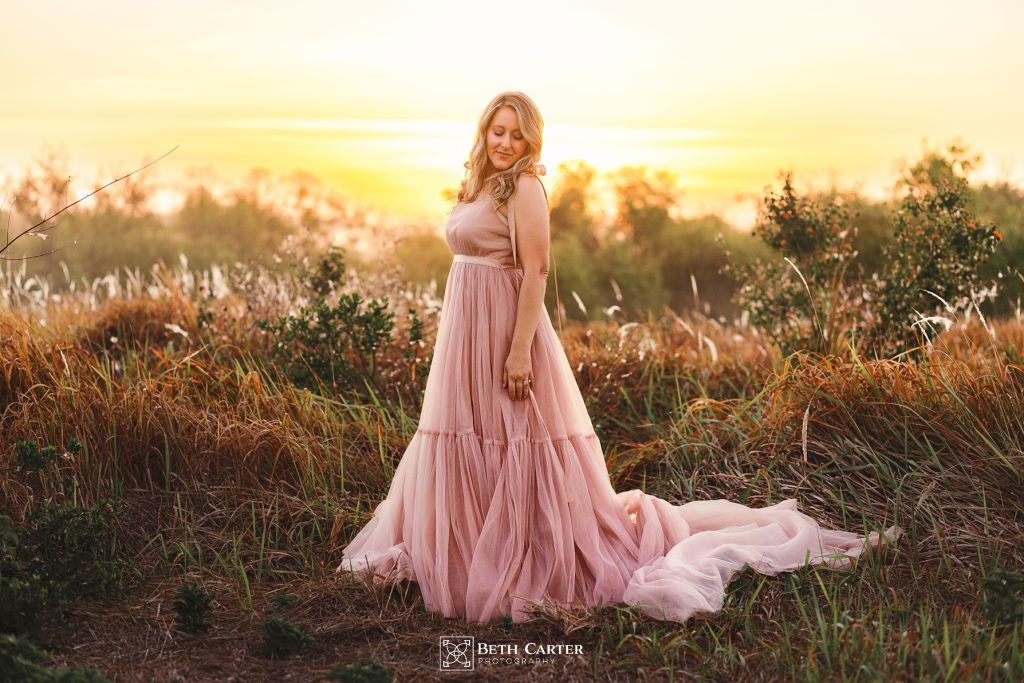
487, 527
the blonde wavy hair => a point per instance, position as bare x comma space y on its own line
531, 124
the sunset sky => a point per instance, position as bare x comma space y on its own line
379, 99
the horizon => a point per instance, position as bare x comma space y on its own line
380, 102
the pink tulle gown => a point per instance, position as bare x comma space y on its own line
498, 503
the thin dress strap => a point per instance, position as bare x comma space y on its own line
512, 228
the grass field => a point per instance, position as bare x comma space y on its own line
224, 471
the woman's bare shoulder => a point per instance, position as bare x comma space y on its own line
530, 188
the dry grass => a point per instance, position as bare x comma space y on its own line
229, 473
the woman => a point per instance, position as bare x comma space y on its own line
502, 497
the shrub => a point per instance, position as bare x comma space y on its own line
808, 300
801, 300
23, 596
931, 265
23, 604
62, 552
331, 345
75, 548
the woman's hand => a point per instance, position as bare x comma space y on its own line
517, 369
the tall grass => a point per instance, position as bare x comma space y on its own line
229, 470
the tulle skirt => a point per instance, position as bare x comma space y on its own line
498, 504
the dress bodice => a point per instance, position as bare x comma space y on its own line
476, 228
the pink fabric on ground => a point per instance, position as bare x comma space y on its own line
498, 503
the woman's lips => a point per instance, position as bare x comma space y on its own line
504, 155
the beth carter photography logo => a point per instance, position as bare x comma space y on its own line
457, 653
463, 653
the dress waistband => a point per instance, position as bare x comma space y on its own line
484, 261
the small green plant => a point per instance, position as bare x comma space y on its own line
415, 335
206, 316
1003, 596
31, 458
328, 273
192, 608
361, 671
282, 601
20, 661
283, 638
506, 622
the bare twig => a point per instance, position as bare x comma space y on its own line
68, 206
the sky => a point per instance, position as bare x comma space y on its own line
380, 99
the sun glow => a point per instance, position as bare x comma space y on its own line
380, 101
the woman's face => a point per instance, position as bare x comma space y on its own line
505, 142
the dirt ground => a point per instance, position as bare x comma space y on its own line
133, 639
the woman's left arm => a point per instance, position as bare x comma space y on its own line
533, 241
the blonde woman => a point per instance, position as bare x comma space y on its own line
502, 498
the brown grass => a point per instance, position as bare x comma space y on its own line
229, 473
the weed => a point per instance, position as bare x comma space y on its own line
1003, 596
283, 638
192, 608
